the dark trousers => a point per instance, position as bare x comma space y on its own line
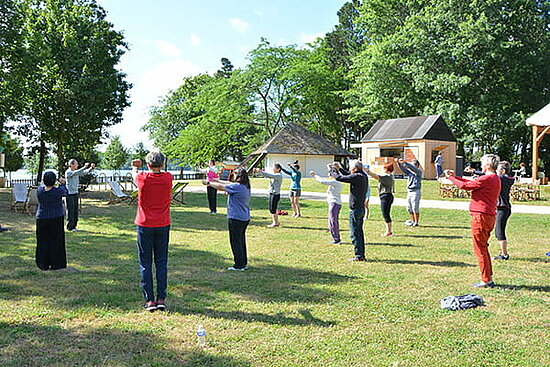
152, 245
274, 202
386, 200
356, 217
72, 211
333, 223
212, 198
50, 244
503, 214
237, 238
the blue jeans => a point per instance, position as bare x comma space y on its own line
152, 242
356, 217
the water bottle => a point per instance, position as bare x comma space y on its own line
201, 336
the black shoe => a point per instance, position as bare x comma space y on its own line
490, 284
358, 259
161, 306
150, 306
502, 257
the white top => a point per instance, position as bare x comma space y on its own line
334, 190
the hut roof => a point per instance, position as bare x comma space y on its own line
295, 139
431, 127
540, 118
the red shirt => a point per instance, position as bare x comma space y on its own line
154, 196
485, 190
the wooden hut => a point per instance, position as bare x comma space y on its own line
294, 142
420, 137
540, 122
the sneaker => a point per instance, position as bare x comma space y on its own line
73, 230
150, 306
4, 229
272, 225
232, 268
387, 234
213, 212
357, 259
490, 284
409, 222
335, 242
161, 306
415, 224
501, 257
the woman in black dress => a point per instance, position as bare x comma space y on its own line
50, 233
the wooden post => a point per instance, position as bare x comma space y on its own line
535, 163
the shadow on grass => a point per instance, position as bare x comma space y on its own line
26, 344
448, 237
452, 227
538, 288
447, 264
389, 244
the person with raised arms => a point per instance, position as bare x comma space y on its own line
72, 174
334, 201
275, 182
385, 192
295, 187
414, 189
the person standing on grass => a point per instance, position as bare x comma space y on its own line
334, 201
385, 191
414, 189
211, 175
238, 214
358, 186
438, 163
295, 188
275, 182
504, 208
483, 206
72, 174
50, 218
153, 227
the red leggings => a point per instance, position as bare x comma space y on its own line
482, 225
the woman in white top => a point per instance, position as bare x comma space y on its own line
334, 200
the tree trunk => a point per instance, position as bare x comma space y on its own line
41, 160
60, 160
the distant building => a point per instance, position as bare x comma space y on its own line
421, 137
294, 142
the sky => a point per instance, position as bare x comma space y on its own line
172, 39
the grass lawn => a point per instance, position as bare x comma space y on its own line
430, 189
300, 304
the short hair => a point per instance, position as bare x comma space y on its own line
297, 166
356, 163
416, 162
155, 159
72, 161
49, 178
277, 166
505, 165
491, 159
388, 167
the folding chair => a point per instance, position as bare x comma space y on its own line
32, 202
116, 195
20, 192
178, 190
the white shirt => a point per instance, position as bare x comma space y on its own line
334, 190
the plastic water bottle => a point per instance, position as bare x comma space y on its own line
201, 336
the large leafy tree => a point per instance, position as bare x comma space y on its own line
76, 91
13, 155
482, 64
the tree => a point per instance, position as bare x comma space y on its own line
226, 69
76, 92
115, 155
14, 155
139, 151
482, 64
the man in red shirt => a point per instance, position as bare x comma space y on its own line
153, 227
485, 190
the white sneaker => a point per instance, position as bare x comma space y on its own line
409, 222
415, 224
236, 269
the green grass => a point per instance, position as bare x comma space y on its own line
301, 303
430, 189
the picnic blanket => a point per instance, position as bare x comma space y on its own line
463, 302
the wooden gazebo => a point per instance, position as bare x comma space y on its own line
540, 122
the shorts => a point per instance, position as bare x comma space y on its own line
295, 193
413, 201
274, 202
